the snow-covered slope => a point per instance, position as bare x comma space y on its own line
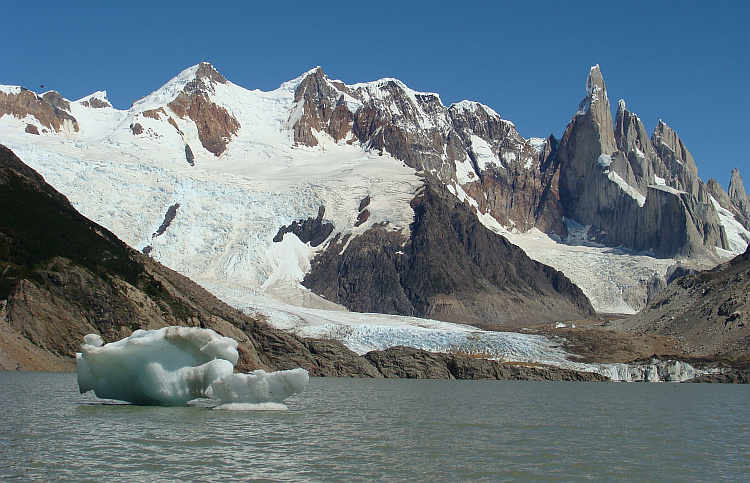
210, 207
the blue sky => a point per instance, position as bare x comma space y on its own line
684, 62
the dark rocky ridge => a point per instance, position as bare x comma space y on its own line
312, 230
451, 268
408, 363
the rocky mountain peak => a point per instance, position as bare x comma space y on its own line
54, 99
630, 134
321, 105
595, 87
737, 193
216, 125
97, 100
204, 80
736, 187
207, 71
665, 138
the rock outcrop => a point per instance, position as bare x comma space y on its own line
51, 111
216, 125
737, 194
313, 230
408, 363
451, 267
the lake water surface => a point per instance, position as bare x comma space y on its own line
345, 430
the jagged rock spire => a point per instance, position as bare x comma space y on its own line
737, 193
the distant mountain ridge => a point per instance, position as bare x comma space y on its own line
267, 160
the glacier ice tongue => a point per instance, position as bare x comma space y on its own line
174, 365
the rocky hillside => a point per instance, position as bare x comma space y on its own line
708, 311
450, 267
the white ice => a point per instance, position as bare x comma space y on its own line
247, 391
174, 365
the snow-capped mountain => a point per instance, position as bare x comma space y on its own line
380, 198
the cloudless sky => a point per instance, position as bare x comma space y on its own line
685, 62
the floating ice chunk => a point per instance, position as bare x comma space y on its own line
167, 367
248, 391
174, 365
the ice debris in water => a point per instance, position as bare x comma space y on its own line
174, 365
236, 391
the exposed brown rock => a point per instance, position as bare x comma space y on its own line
155, 113
136, 128
95, 103
215, 124
323, 110
27, 103
32, 129
362, 218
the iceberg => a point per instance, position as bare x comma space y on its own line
239, 391
174, 365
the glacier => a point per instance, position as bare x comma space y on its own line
232, 206
174, 365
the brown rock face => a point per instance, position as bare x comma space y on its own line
323, 108
215, 124
56, 100
27, 103
96, 103
136, 129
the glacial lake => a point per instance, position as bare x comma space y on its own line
347, 430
